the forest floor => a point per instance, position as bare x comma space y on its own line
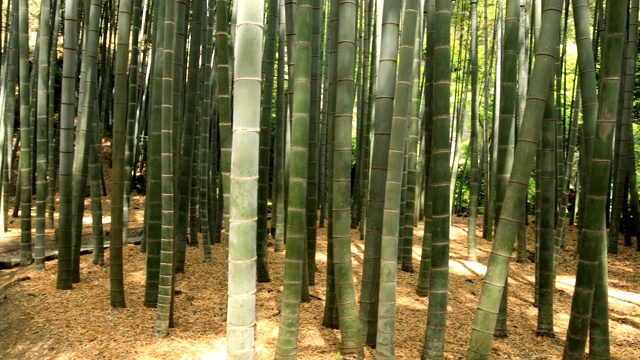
40, 322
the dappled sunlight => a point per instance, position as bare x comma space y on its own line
321, 258
462, 267
80, 324
414, 303
625, 298
89, 220
219, 351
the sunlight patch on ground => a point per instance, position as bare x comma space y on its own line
357, 253
219, 351
268, 327
461, 267
89, 220
624, 298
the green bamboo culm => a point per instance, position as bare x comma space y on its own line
341, 230
314, 117
10, 79
95, 189
41, 132
422, 288
440, 179
164, 318
370, 70
131, 128
120, 98
474, 189
412, 145
545, 219
279, 146
592, 255
386, 331
331, 317
508, 93
67, 114
528, 138
222, 56
506, 128
268, 69
385, 91
86, 113
11, 60
153, 201
186, 163
204, 155
523, 79
207, 161
290, 316
629, 90
241, 314
25, 135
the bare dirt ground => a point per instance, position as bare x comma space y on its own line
42, 322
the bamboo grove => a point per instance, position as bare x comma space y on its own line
350, 114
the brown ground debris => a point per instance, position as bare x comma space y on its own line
42, 322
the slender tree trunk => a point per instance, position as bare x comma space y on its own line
135, 67
379, 162
439, 177
279, 152
154, 178
241, 315
473, 142
496, 277
425, 256
223, 56
290, 315
119, 138
41, 131
26, 256
268, 64
86, 112
386, 332
67, 113
331, 317
592, 250
164, 314
345, 89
